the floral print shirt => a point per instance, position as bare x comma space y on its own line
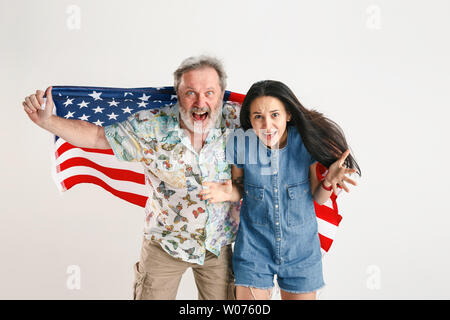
184, 225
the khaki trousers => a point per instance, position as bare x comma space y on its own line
158, 275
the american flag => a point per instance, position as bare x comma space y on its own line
104, 106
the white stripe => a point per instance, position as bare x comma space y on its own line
328, 203
105, 160
59, 143
53, 164
326, 229
119, 185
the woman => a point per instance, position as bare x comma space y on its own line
278, 227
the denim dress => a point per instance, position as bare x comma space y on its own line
278, 232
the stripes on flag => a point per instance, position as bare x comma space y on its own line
126, 180
74, 165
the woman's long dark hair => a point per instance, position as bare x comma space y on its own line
322, 137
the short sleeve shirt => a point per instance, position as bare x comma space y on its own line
184, 225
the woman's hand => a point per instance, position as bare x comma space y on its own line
337, 174
217, 191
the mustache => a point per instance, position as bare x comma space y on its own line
201, 110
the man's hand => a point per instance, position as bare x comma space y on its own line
32, 106
77, 132
217, 191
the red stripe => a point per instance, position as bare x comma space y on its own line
113, 173
327, 214
324, 212
333, 198
67, 146
325, 243
236, 97
127, 196
320, 170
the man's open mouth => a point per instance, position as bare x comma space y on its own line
200, 116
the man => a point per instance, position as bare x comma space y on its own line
180, 146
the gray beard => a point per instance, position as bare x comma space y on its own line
195, 127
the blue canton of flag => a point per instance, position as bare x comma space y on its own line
105, 106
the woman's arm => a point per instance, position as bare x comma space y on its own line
320, 194
231, 190
237, 175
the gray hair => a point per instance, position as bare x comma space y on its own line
199, 62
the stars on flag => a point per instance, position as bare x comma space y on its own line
105, 106
69, 115
144, 97
112, 116
142, 104
84, 117
96, 95
113, 103
98, 109
127, 110
68, 102
83, 104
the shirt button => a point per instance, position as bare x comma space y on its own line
276, 206
275, 172
278, 239
276, 190
277, 223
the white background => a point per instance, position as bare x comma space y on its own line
380, 69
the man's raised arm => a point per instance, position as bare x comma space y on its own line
77, 132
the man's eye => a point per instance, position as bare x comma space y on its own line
190, 93
258, 116
209, 93
275, 114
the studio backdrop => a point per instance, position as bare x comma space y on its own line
380, 69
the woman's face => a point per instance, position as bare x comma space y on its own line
269, 118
